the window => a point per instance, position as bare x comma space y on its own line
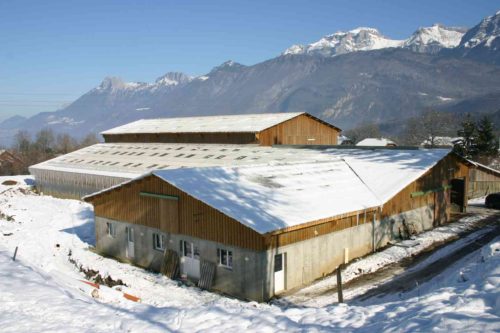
110, 229
225, 258
189, 250
159, 242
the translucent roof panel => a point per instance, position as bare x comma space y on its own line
103, 158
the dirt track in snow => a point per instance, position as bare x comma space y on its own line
406, 275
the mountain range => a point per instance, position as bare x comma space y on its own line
346, 78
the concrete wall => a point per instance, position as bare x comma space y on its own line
247, 278
252, 275
314, 258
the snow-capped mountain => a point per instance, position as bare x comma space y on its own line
434, 39
424, 40
483, 34
227, 66
360, 39
387, 83
173, 79
482, 42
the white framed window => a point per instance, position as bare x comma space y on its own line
225, 258
110, 229
159, 242
188, 249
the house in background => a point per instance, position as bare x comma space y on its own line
273, 227
441, 141
376, 142
10, 163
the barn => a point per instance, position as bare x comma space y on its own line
254, 231
263, 129
170, 143
100, 166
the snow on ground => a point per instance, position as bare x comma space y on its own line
41, 290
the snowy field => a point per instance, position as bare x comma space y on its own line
42, 290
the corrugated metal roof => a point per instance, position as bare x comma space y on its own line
247, 123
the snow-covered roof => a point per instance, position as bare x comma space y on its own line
272, 197
387, 171
277, 195
444, 141
248, 123
129, 160
375, 142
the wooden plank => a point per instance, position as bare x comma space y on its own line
207, 274
159, 196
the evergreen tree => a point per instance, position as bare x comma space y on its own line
487, 143
466, 146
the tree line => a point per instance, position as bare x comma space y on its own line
44, 145
476, 138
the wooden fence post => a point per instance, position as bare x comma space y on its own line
339, 284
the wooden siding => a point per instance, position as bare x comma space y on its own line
187, 216
200, 220
232, 138
320, 227
438, 177
301, 130
482, 182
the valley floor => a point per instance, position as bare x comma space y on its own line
42, 290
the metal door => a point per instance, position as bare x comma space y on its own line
279, 272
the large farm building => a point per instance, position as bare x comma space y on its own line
249, 219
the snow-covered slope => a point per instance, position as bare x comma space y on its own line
425, 40
41, 291
484, 33
360, 39
433, 39
170, 79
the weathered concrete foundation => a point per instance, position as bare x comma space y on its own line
247, 278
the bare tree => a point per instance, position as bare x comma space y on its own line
45, 141
363, 131
22, 142
65, 144
428, 127
89, 140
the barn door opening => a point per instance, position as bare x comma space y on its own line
190, 260
457, 194
279, 272
130, 250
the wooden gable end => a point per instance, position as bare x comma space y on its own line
301, 130
152, 202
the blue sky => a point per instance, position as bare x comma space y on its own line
51, 52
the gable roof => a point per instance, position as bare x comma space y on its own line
244, 123
275, 196
130, 160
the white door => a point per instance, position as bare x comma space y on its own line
190, 260
130, 243
279, 272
